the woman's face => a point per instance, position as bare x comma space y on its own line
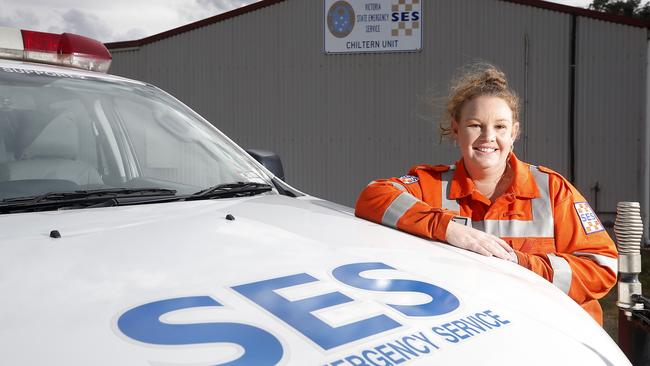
485, 133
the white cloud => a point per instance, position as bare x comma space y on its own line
14, 18
108, 21
223, 5
85, 24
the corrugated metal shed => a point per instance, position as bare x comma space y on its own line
610, 111
338, 121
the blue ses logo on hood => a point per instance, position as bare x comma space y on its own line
143, 323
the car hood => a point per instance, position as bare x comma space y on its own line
268, 272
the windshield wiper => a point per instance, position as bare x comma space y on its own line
228, 190
124, 196
87, 198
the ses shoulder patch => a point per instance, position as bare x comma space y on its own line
408, 179
588, 218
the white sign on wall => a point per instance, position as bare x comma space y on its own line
353, 26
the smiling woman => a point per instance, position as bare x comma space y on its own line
491, 203
485, 133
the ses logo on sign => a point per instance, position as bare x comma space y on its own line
261, 347
340, 19
372, 25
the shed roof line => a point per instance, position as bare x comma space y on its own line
620, 19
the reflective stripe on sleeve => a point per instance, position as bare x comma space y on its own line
397, 209
398, 186
602, 260
561, 272
394, 184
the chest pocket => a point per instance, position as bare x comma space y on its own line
542, 225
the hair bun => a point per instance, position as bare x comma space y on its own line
494, 78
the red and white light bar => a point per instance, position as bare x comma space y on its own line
64, 49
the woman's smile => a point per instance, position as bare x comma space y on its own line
485, 150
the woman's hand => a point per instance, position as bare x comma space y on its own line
465, 237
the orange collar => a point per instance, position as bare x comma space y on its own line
523, 185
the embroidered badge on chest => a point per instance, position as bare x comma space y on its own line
409, 179
588, 218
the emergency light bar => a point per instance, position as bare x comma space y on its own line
65, 49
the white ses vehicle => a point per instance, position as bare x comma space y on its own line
132, 232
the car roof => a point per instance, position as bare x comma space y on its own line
54, 70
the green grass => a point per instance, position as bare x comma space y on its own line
610, 311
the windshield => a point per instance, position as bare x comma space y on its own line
62, 134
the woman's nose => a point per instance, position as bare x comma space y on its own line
489, 134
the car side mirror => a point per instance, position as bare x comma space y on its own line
270, 160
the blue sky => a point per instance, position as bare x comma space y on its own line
120, 20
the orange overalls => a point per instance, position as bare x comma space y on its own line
542, 216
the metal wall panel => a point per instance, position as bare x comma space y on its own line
610, 111
339, 121
127, 63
